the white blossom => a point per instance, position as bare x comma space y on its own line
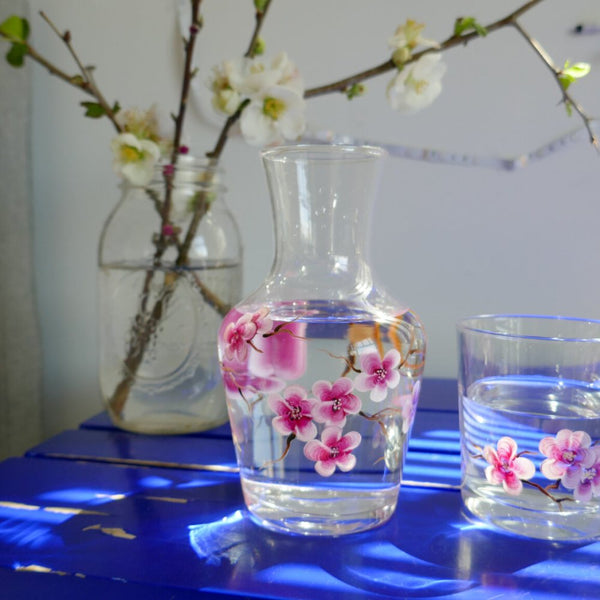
409, 36
225, 82
417, 85
134, 159
234, 81
277, 114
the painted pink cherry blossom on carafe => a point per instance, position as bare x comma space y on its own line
294, 413
333, 450
336, 401
378, 374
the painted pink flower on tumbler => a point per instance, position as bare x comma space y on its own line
378, 375
294, 413
506, 467
566, 454
336, 401
585, 480
333, 450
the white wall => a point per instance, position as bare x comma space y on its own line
450, 241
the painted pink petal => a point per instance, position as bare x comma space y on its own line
341, 387
362, 382
316, 450
264, 323
573, 440
547, 446
352, 404
493, 475
512, 484
321, 388
391, 360
306, 430
393, 379
378, 393
551, 470
583, 492
331, 435
507, 447
350, 441
489, 454
325, 468
523, 468
571, 477
347, 462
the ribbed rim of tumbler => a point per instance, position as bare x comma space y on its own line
533, 327
320, 152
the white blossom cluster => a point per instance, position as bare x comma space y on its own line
275, 109
270, 99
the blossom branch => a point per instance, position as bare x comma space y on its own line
250, 52
510, 20
454, 40
567, 98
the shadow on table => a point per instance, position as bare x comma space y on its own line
427, 550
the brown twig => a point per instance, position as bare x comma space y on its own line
567, 98
87, 83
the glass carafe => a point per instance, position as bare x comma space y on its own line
321, 367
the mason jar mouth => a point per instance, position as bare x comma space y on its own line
322, 153
190, 171
551, 328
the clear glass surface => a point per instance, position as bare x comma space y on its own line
529, 397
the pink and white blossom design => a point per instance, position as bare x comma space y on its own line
336, 401
333, 450
247, 382
294, 412
566, 454
408, 404
264, 323
378, 375
281, 355
507, 468
236, 337
585, 479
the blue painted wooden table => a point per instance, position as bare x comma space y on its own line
101, 513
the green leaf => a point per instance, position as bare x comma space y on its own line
469, 24
93, 110
15, 29
355, 90
570, 73
16, 55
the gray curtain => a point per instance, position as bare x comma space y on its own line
20, 350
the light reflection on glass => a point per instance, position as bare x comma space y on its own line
225, 539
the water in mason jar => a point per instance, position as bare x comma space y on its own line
177, 386
284, 485
529, 409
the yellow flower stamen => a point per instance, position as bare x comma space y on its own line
130, 154
273, 107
